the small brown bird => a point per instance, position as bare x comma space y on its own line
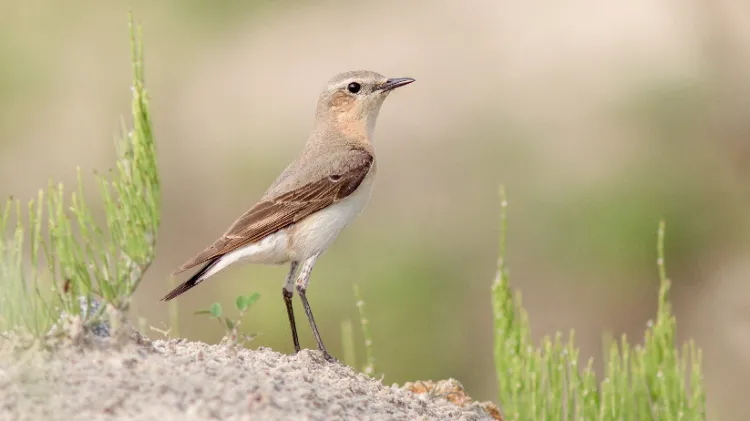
314, 198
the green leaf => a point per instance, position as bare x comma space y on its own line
215, 310
253, 298
243, 302
201, 312
230, 324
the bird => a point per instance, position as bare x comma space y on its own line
313, 199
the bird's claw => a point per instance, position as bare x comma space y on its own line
329, 358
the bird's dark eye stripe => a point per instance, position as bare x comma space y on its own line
354, 87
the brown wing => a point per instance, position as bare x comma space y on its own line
283, 210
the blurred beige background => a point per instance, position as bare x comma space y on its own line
599, 119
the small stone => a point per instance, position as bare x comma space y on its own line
101, 329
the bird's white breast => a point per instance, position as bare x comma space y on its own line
314, 234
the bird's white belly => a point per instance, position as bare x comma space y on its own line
314, 234
271, 250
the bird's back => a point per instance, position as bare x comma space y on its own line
319, 160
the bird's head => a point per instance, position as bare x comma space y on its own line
351, 101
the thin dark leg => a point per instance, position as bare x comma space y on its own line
301, 291
287, 292
290, 313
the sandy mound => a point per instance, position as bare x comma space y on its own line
180, 380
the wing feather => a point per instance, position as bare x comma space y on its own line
277, 213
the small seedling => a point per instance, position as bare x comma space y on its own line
230, 327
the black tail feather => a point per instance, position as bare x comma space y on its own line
193, 281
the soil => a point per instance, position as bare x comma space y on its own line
110, 379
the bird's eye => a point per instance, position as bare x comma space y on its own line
354, 87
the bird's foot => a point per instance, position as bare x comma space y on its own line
329, 357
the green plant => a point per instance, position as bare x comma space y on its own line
347, 343
653, 381
369, 367
84, 261
347, 337
230, 327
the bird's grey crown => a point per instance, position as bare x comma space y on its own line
361, 76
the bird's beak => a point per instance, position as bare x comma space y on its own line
394, 83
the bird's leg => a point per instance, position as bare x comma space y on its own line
288, 292
302, 281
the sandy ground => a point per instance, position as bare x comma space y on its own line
181, 380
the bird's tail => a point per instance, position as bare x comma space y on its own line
194, 280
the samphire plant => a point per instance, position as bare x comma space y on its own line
652, 381
65, 259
